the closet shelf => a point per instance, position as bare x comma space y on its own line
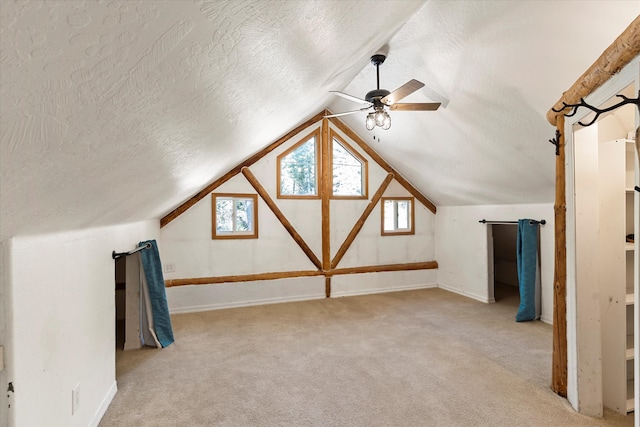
628, 246
629, 354
629, 299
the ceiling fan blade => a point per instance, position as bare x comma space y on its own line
350, 97
406, 89
347, 113
424, 106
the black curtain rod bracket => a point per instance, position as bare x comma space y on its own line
533, 221
115, 254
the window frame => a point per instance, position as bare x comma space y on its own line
411, 216
316, 136
335, 137
233, 234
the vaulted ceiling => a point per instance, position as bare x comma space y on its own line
118, 111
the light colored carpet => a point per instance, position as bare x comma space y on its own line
417, 358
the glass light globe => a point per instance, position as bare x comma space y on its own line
387, 121
370, 122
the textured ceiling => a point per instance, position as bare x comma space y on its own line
112, 112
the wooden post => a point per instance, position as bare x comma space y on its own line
326, 188
327, 287
559, 367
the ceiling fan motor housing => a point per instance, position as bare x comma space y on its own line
375, 96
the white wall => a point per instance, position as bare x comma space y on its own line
462, 254
63, 306
188, 247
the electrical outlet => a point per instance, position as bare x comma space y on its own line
75, 399
169, 267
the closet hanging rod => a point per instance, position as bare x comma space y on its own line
115, 254
484, 221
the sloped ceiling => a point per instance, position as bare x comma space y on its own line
113, 112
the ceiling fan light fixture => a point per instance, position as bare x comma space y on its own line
379, 117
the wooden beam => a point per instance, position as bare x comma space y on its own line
428, 265
386, 166
613, 59
283, 220
559, 357
241, 278
327, 286
360, 222
236, 170
326, 197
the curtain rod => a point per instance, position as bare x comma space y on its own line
484, 221
115, 254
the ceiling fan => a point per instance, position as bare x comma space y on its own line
377, 99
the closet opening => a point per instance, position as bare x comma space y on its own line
503, 264
120, 295
127, 301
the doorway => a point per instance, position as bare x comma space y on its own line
127, 296
504, 279
120, 295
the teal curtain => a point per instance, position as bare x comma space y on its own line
527, 260
153, 273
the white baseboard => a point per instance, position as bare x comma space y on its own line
382, 290
276, 300
247, 303
102, 409
476, 297
547, 320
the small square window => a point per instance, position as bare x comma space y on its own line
235, 216
397, 216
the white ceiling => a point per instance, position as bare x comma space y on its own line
113, 112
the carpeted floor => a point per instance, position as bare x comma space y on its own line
416, 358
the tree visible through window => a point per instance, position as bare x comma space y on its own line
397, 216
349, 171
297, 169
235, 216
